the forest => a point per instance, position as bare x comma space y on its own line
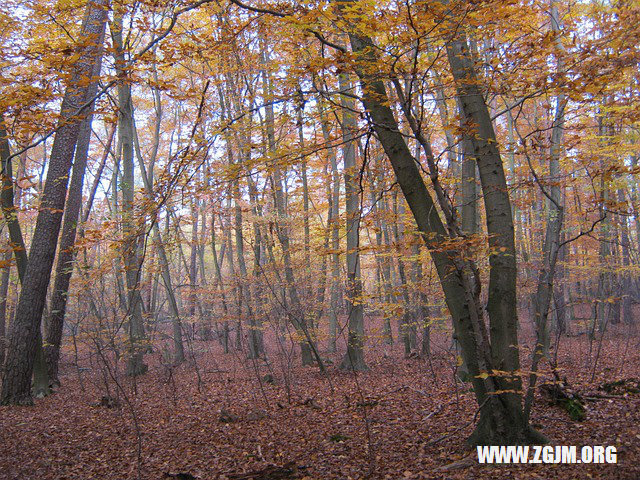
349, 239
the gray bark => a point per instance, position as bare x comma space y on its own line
501, 417
354, 357
132, 267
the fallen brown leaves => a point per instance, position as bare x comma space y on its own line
302, 425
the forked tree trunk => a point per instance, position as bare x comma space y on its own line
502, 419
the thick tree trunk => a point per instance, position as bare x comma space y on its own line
25, 327
66, 253
501, 416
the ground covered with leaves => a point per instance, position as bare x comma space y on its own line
218, 417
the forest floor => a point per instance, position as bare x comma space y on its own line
215, 416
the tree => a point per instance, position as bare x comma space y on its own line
135, 361
354, 357
66, 252
23, 338
502, 420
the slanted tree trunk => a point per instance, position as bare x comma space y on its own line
23, 339
66, 253
501, 415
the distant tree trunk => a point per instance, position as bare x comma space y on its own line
193, 258
608, 306
387, 266
237, 292
256, 346
305, 188
354, 357
382, 264
333, 226
625, 241
219, 283
26, 325
255, 333
165, 273
296, 313
422, 302
407, 322
256, 211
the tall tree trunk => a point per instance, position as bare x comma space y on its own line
26, 325
66, 253
333, 226
551, 246
501, 416
305, 188
132, 266
354, 357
